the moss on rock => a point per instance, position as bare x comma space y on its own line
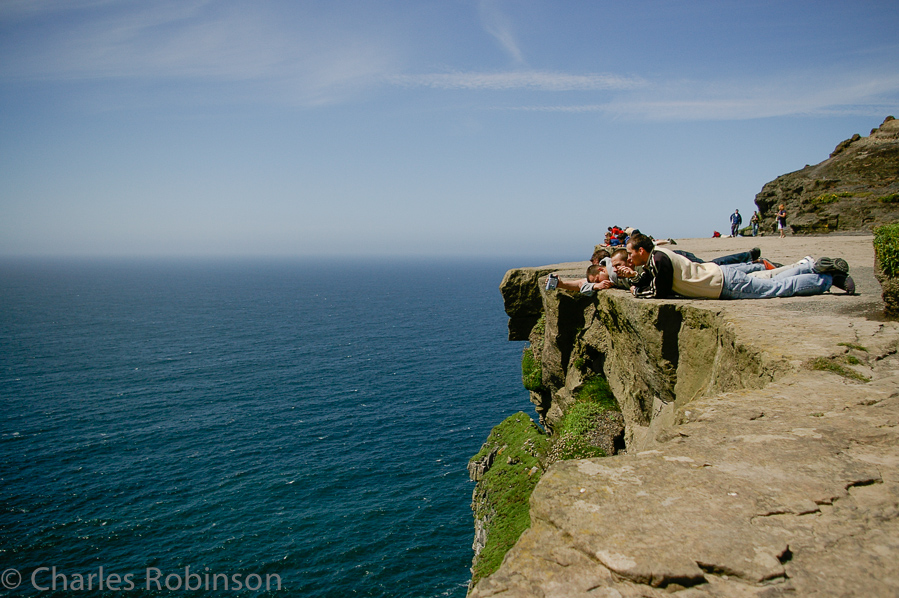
591, 426
531, 371
516, 449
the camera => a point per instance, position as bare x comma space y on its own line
552, 282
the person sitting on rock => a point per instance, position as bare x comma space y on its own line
666, 274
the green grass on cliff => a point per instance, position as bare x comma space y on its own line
531, 371
886, 247
501, 496
596, 390
572, 439
573, 436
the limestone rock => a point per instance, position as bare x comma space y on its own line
522, 299
746, 473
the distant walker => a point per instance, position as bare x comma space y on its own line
735, 221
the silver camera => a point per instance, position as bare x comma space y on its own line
552, 282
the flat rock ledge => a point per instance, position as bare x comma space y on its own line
788, 489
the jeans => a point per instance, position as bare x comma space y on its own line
755, 229
736, 258
801, 280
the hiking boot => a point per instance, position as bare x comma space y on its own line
827, 265
755, 253
845, 282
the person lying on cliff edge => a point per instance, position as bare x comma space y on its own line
616, 271
597, 279
666, 273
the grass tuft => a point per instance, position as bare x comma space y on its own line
855, 346
597, 390
829, 364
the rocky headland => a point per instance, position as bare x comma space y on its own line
854, 190
752, 447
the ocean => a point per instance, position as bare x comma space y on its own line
177, 427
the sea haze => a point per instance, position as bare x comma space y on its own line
310, 420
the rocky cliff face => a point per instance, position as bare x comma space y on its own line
656, 356
854, 190
760, 455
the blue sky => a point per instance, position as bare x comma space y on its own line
450, 127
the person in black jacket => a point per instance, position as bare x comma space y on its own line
665, 274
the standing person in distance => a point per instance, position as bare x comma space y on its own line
781, 220
735, 221
754, 221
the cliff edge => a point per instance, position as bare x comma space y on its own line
761, 440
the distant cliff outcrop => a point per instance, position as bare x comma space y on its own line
854, 190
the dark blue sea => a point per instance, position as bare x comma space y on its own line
237, 424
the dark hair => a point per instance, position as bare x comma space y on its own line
594, 270
621, 253
641, 241
599, 254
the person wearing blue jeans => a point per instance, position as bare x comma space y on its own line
801, 280
666, 273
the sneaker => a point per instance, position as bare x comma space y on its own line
845, 282
768, 265
807, 260
827, 265
755, 253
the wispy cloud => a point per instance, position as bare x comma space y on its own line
855, 93
519, 80
497, 24
292, 54
194, 41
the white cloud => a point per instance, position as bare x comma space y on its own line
518, 80
497, 24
